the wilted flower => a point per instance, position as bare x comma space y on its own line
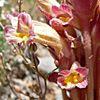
75, 77
46, 35
21, 29
46, 7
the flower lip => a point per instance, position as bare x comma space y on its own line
64, 72
82, 71
75, 77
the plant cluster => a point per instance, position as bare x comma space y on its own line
71, 35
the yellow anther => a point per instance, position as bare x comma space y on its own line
65, 19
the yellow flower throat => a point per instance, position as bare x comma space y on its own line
23, 36
65, 19
73, 78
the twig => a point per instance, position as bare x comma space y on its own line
20, 2
64, 95
38, 75
33, 65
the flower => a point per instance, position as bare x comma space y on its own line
21, 29
46, 7
75, 77
62, 17
52, 9
46, 35
59, 16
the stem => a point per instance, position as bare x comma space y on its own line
20, 4
64, 95
34, 66
74, 94
82, 94
38, 77
97, 73
35, 63
89, 64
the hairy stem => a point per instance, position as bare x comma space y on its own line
74, 94
89, 64
97, 73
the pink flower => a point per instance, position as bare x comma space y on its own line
75, 77
52, 9
21, 29
62, 16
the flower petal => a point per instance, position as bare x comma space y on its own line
24, 22
53, 77
46, 14
56, 24
9, 34
13, 19
57, 10
75, 65
47, 35
83, 71
83, 84
66, 8
64, 72
46, 5
60, 82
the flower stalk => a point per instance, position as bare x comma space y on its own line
64, 95
20, 2
89, 64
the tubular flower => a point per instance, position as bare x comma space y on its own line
59, 16
63, 16
46, 7
52, 9
21, 28
75, 77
